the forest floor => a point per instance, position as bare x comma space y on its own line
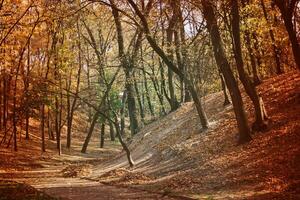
174, 158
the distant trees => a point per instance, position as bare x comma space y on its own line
121, 64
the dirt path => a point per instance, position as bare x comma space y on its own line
89, 190
50, 181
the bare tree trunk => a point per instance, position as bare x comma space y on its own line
122, 112
276, 50
138, 95
124, 145
222, 62
42, 126
26, 85
89, 135
170, 32
250, 89
148, 94
128, 72
14, 116
256, 79
287, 10
5, 105
49, 126
112, 131
74, 102
57, 128
102, 134
224, 88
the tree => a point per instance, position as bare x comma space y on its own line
260, 113
287, 9
169, 63
222, 62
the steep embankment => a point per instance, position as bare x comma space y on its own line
173, 155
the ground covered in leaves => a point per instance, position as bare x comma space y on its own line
173, 155
13, 190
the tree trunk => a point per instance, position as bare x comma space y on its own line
72, 108
138, 95
57, 126
131, 108
287, 10
102, 134
198, 104
128, 72
222, 62
49, 126
170, 64
170, 31
5, 99
42, 126
124, 145
276, 50
260, 115
89, 135
122, 111
293, 39
148, 94
224, 88
256, 79
112, 131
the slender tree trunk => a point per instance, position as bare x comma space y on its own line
26, 85
112, 131
276, 50
122, 111
222, 62
132, 108
256, 79
124, 145
74, 102
57, 128
5, 100
224, 88
14, 116
250, 89
49, 126
128, 72
102, 134
293, 39
42, 126
148, 94
138, 95
174, 103
89, 135
159, 94
287, 10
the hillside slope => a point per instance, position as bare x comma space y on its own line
174, 156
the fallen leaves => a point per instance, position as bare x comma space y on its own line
77, 170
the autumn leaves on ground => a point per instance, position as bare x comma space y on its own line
156, 99
184, 163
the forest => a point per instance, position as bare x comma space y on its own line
149, 99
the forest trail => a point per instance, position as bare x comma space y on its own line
51, 179
175, 159
73, 188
